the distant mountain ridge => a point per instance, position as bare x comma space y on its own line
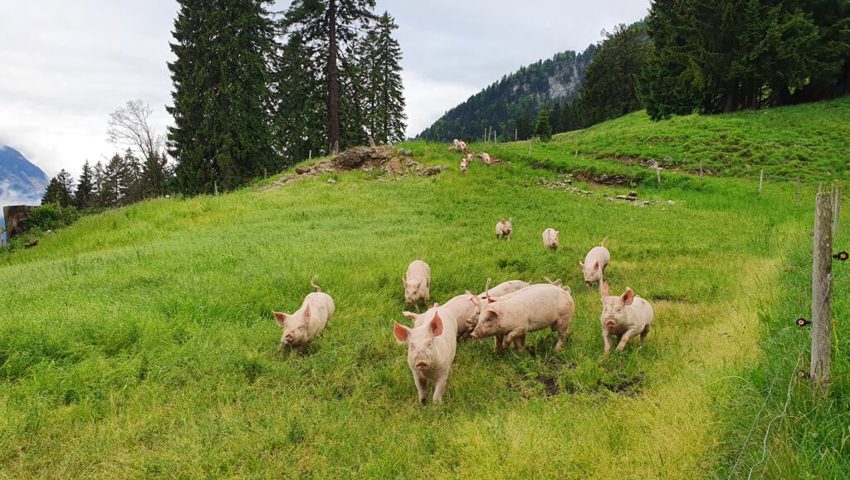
511, 104
21, 182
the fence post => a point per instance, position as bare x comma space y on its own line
700, 171
821, 290
761, 179
215, 188
836, 212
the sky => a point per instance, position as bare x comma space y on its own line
64, 66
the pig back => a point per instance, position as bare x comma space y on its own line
537, 306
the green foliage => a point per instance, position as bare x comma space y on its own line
610, 85
84, 194
723, 56
542, 128
222, 133
384, 96
52, 216
510, 105
59, 190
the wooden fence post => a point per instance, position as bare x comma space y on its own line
761, 179
821, 290
215, 188
836, 212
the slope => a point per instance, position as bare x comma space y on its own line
139, 342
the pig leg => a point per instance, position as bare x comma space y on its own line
421, 388
519, 343
440, 388
498, 344
563, 331
644, 333
511, 337
607, 339
625, 339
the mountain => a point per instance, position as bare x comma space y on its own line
511, 104
21, 182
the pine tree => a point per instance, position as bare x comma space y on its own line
59, 190
543, 129
325, 25
300, 111
154, 176
84, 194
385, 95
129, 179
222, 102
610, 85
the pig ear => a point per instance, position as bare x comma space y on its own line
412, 316
437, 325
581, 264
603, 289
280, 317
628, 297
401, 332
493, 311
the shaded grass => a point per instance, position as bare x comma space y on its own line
139, 342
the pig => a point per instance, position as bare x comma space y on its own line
504, 228
486, 158
431, 351
301, 327
624, 316
417, 283
502, 289
511, 317
464, 310
464, 164
550, 238
462, 146
595, 263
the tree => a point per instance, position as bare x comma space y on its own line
221, 99
610, 85
59, 190
384, 90
130, 127
543, 128
325, 25
84, 194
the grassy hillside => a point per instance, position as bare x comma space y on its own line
811, 141
139, 343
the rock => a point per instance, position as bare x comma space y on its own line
434, 171
406, 153
302, 170
331, 181
633, 194
670, 202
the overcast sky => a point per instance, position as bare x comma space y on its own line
65, 65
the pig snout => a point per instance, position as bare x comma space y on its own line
288, 338
421, 365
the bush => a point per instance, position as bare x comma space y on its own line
52, 217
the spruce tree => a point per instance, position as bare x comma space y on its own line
222, 102
84, 194
59, 190
543, 129
326, 26
385, 92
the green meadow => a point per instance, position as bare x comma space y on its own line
139, 343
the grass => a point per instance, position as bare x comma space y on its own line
811, 141
139, 343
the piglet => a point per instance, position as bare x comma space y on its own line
550, 238
485, 157
301, 327
504, 228
417, 283
431, 351
595, 263
503, 288
536, 307
464, 310
624, 316
464, 164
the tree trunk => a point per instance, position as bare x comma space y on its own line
333, 81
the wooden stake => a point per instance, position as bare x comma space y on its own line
761, 179
821, 290
516, 134
215, 188
310, 154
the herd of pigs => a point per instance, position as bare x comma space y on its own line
506, 312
